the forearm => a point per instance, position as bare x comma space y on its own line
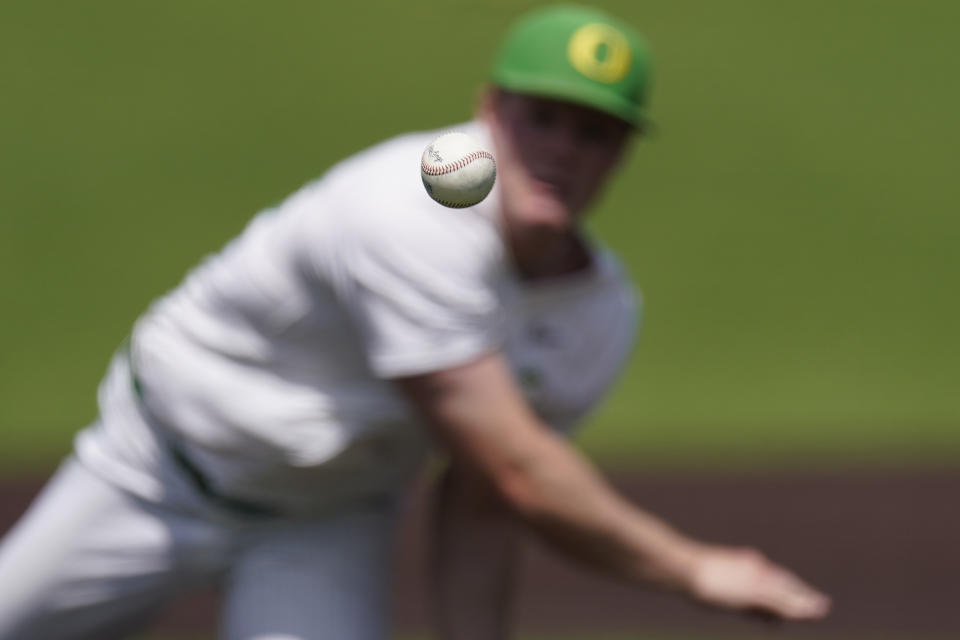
479, 415
564, 500
475, 545
569, 505
477, 412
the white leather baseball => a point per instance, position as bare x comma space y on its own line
457, 171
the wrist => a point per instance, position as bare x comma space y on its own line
676, 565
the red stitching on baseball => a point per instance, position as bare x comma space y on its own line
456, 205
450, 167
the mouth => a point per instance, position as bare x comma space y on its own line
553, 184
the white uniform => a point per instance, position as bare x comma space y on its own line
251, 433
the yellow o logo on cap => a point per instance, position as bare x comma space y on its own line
599, 52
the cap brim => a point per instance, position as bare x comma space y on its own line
598, 99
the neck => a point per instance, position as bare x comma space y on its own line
550, 255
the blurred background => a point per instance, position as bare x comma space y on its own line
791, 224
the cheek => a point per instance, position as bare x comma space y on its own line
594, 172
530, 145
596, 167
603, 161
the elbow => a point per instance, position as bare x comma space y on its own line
519, 491
530, 478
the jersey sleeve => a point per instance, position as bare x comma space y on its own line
426, 295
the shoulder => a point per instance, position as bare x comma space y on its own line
614, 305
387, 175
377, 205
613, 278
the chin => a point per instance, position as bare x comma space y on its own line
546, 212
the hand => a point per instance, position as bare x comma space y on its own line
744, 580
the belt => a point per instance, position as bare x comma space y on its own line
200, 481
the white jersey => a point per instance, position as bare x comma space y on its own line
270, 365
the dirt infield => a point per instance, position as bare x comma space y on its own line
883, 544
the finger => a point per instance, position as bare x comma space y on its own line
791, 598
764, 616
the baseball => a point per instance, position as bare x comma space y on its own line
457, 171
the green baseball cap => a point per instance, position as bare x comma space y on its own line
578, 54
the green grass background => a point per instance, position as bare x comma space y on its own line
793, 224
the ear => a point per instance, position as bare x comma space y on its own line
486, 100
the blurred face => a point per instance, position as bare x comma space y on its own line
553, 157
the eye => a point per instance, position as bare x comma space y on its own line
543, 116
594, 132
600, 131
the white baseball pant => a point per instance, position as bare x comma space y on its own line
91, 561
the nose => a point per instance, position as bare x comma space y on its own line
563, 143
